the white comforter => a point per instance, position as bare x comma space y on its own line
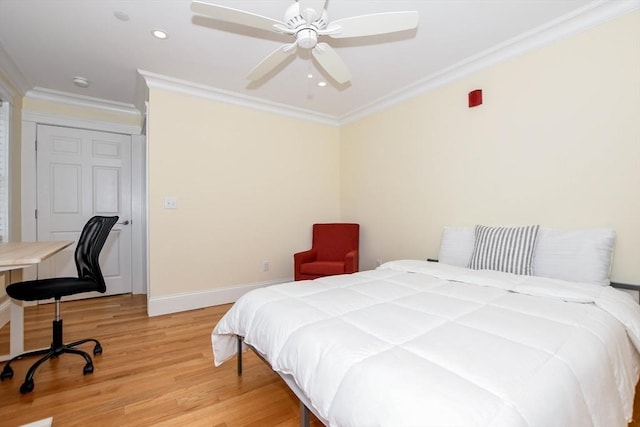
423, 344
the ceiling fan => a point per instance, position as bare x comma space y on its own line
306, 21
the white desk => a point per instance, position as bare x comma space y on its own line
14, 256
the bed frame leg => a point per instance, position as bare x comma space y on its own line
304, 415
239, 356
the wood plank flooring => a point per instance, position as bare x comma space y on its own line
154, 371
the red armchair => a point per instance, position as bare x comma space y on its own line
334, 250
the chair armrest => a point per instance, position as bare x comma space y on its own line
305, 256
351, 261
302, 258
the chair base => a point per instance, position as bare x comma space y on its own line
56, 349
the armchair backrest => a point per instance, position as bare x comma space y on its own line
333, 241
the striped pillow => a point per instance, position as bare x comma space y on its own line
508, 249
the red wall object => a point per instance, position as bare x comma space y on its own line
475, 98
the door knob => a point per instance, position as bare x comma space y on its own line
125, 222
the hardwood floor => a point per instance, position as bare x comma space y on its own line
154, 371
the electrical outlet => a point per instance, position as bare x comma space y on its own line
170, 203
265, 265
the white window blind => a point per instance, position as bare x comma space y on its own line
4, 170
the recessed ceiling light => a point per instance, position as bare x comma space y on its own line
81, 82
121, 15
309, 76
159, 34
322, 84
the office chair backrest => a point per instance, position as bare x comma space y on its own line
92, 239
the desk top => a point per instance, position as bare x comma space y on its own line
26, 253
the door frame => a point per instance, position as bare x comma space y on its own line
30, 122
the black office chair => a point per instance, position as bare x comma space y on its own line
92, 239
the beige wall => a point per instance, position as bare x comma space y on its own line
249, 184
556, 143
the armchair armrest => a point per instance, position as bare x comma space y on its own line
302, 258
351, 261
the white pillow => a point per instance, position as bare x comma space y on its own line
456, 246
574, 255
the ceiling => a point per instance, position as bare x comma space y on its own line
49, 42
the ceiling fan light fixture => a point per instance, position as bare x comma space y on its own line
307, 38
294, 17
306, 20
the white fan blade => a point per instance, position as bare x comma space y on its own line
235, 16
311, 10
274, 59
331, 62
369, 25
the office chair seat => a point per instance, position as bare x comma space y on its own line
92, 239
54, 288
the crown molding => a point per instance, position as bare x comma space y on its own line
159, 81
594, 13
82, 101
10, 71
64, 120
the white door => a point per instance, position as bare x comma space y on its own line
82, 173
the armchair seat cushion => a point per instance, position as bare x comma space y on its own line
322, 268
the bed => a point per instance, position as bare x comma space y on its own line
435, 344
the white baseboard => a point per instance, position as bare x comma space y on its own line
5, 312
157, 306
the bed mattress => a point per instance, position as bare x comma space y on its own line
414, 343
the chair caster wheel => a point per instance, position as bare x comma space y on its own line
7, 373
88, 369
97, 349
26, 387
